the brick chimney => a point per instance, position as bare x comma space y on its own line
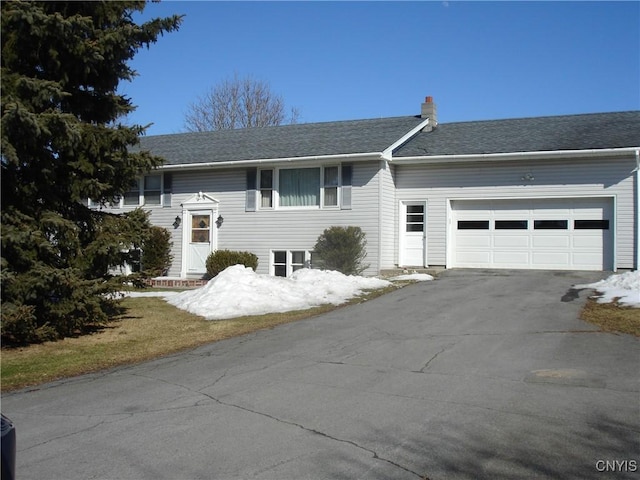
429, 111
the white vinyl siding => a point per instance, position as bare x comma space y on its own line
266, 230
388, 216
439, 184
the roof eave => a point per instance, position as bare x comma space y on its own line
351, 157
511, 156
387, 154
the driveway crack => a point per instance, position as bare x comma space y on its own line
373, 453
428, 363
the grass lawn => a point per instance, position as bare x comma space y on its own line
612, 318
151, 328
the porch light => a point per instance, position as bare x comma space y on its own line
177, 222
219, 221
528, 177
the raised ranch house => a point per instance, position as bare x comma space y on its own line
531, 193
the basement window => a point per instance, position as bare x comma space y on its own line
285, 262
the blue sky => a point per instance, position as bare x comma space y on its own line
354, 60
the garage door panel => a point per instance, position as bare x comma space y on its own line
555, 259
551, 241
507, 259
511, 241
593, 259
473, 258
591, 242
480, 241
567, 233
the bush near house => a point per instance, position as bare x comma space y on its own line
221, 259
156, 252
342, 249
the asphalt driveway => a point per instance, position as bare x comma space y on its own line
479, 374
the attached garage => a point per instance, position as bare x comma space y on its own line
549, 234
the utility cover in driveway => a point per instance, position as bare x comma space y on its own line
549, 234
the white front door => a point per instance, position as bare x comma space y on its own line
199, 234
200, 243
413, 234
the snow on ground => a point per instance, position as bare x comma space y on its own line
417, 277
624, 286
239, 291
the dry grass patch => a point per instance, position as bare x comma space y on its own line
611, 317
150, 328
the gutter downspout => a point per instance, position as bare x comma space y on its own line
380, 215
637, 212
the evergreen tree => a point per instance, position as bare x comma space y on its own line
61, 144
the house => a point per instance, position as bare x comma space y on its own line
529, 193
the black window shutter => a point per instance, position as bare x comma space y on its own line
168, 186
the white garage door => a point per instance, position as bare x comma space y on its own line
554, 234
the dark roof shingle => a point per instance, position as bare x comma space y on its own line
568, 132
286, 141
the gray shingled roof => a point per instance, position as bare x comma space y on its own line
286, 141
569, 132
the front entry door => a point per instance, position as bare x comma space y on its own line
413, 234
200, 243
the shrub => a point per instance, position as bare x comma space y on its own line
156, 252
342, 249
221, 259
20, 327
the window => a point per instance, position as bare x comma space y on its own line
132, 196
152, 189
297, 260
331, 180
280, 264
591, 225
200, 228
512, 224
266, 188
311, 187
550, 224
299, 187
148, 190
415, 218
473, 225
285, 262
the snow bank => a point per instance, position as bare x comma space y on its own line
625, 287
417, 277
239, 291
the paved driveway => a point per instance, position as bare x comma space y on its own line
479, 374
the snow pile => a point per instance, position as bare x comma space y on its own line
239, 291
417, 277
625, 287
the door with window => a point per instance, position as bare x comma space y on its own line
200, 243
413, 234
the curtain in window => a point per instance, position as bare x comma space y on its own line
299, 187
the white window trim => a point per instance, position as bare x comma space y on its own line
275, 189
141, 201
